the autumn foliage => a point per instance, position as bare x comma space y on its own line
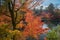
34, 24
33, 27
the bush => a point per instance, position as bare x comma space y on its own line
54, 34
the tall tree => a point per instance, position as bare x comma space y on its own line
51, 8
10, 5
41, 8
13, 10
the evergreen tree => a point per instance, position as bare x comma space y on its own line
51, 8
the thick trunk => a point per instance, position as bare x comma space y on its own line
12, 16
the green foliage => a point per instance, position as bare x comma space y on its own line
7, 34
52, 35
8, 0
58, 31
51, 7
4, 32
22, 1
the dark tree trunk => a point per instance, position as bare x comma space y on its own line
12, 16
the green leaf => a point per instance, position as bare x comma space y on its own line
22, 1
8, 0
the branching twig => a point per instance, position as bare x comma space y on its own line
19, 21
16, 16
7, 15
13, 4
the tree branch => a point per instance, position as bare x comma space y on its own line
19, 21
13, 4
19, 7
16, 16
34, 5
12, 16
7, 15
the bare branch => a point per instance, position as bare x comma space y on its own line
13, 4
36, 4
29, 1
7, 15
19, 21
19, 8
16, 16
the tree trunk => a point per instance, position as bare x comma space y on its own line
12, 16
